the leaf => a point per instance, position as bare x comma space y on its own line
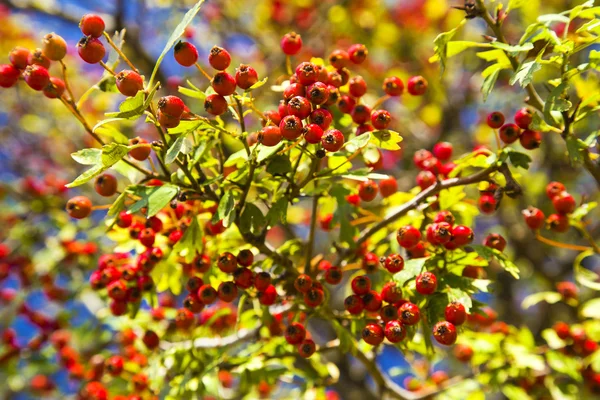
196, 94
512, 50
118, 205
524, 75
338, 163
87, 176
278, 212
265, 152
488, 253
515, 393
584, 276
538, 124
257, 85
412, 268
451, 196
252, 220
88, 156
113, 153
490, 81
179, 30
186, 127
155, 198
191, 241
455, 294
583, 210
279, 165
386, 139
174, 150
591, 309
342, 214
440, 45
225, 210
551, 337
575, 147
518, 159
357, 142
130, 108
533, 299
554, 102
564, 364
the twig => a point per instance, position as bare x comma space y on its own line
120, 52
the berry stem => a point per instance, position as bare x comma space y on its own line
67, 86
311, 237
584, 232
102, 207
203, 72
551, 242
380, 101
240, 113
107, 68
120, 52
291, 146
288, 65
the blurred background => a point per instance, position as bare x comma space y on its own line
37, 135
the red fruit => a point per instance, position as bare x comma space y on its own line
269, 136
361, 285
92, 25
357, 86
106, 185
9, 75
442, 151
37, 77
363, 129
393, 86
509, 133
372, 334
354, 304
553, 189
227, 292
194, 283
444, 216
534, 218
495, 119
463, 352
291, 43
299, 106
307, 73
360, 114
91, 50
295, 333
290, 127
321, 117
223, 83
558, 222
439, 233
207, 294
462, 235
114, 365
388, 313
495, 241
562, 330
568, 290
147, 237
417, 85
167, 121
370, 262
444, 332
530, 140
333, 140
318, 93
487, 204
243, 278
408, 236
339, 59
381, 119
79, 207
215, 104
54, 47
455, 313
426, 283
564, 203
293, 90
140, 153
55, 88
219, 58
314, 297
245, 258
117, 290
307, 348
38, 58
129, 83
245, 76
151, 339
372, 301
346, 104
268, 296
312, 133
186, 54
425, 179
172, 106
523, 117
420, 157
333, 275
358, 53
303, 283
262, 281
409, 313
388, 186
227, 263
367, 191
395, 331
391, 292
394, 263
18, 57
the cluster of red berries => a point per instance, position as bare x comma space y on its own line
519, 130
564, 204
430, 164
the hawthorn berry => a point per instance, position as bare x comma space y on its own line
394, 263
18, 57
129, 83
36, 77
367, 190
215, 104
92, 25
455, 313
295, 333
223, 83
37, 57
167, 121
139, 153
553, 189
357, 86
332, 140
227, 291
487, 204
495, 241
147, 237
117, 290
291, 43
193, 284
372, 301
388, 313
106, 185
321, 117
443, 151
462, 235
9, 75
445, 333
370, 262
534, 218
425, 179
509, 133
408, 236
564, 203
262, 281
523, 117
303, 283
290, 127
54, 47
361, 285
245, 258
381, 119
219, 58
333, 275
227, 262
150, 339
373, 334
409, 313
90, 49
268, 296
269, 136
388, 187
55, 88
395, 331
245, 76
346, 104
360, 114
463, 352
358, 53
314, 297
243, 278
354, 304
495, 119
172, 106
426, 283
391, 292
306, 73
530, 139
207, 294
393, 86
293, 90
299, 106
306, 348
79, 207
339, 59
185, 53
417, 85
568, 290
317, 93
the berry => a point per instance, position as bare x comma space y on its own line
307, 73
393, 86
372, 334
303, 283
227, 263
370, 262
381, 119
394, 263
568, 290
139, 153
462, 235
361, 285
426, 283
391, 292
554, 188
245, 258
147, 237
463, 352
172, 106
357, 86
92, 25
408, 236
186, 54
38, 58
321, 117
495, 119
215, 104
114, 365
290, 127
442, 151
245, 76
106, 185
314, 297
124, 219
295, 333
372, 301
312, 133
564, 203
360, 114
562, 330
299, 106
509, 133
367, 191
291, 43
339, 59
91, 50
455, 313
227, 292
207, 294
530, 140
524, 117
388, 186
307, 348
425, 179
55, 88
79, 207
394, 331
18, 57
262, 281
219, 58
444, 216
417, 85
439, 233
420, 157
223, 83
445, 333
409, 313
558, 222
332, 140
346, 104
317, 93
293, 90
54, 47
129, 83
354, 304
243, 278
495, 241
193, 284
269, 136
534, 218
487, 204
358, 53
333, 275
37, 77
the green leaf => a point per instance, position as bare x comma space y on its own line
451, 196
252, 220
88, 156
278, 212
512, 50
279, 165
118, 205
113, 153
191, 242
554, 102
265, 152
440, 46
225, 210
591, 309
194, 93
386, 139
584, 276
87, 175
132, 107
518, 159
551, 337
575, 147
583, 210
513, 4
488, 253
342, 214
114, 133
455, 294
538, 124
490, 81
174, 150
179, 30
257, 85
411, 269
524, 75
515, 393
187, 127
564, 364
155, 198
357, 142
533, 299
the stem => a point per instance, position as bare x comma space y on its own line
120, 52
203, 72
379, 101
106, 67
584, 232
551, 242
67, 86
240, 112
311, 237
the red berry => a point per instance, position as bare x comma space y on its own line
358, 53
245, 76
564, 203
269, 136
530, 140
37, 57
408, 236
524, 117
439, 233
227, 292
262, 281
495, 241
370, 262
303, 283
129, 83
367, 191
124, 219
55, 88
354, 304
318, 93
215, 104
388, 186
312, 133
554, 188
293, 90
442, 151
360, 114
372, 334
186, 54
290, 127
372, 301
91, 50
339, 59
558, 222
18, 57
425, 179
395, 331
393, 86
139, 153
391, 292
147, 237
295, 333
361, 285
207, 294
333, 275
54, 47
307, 73
420, 157
243, 278
223, 83
346, 104
37, 77
534, 218
291, 43
417, 85
562, 330
444, 216
357, 86
333, 140
299, 106
79, 207
487, 204
219, 58
150, 339
227, 263
567, 290
381, 119
409, 313
114, 365
463, 352
245, 258
462, 235
321, 117
426, 283
106, 185
307, 348
172, 106
314, 297
495, 119
455, 313
509, 133
394, 263
445, 333
92, 25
